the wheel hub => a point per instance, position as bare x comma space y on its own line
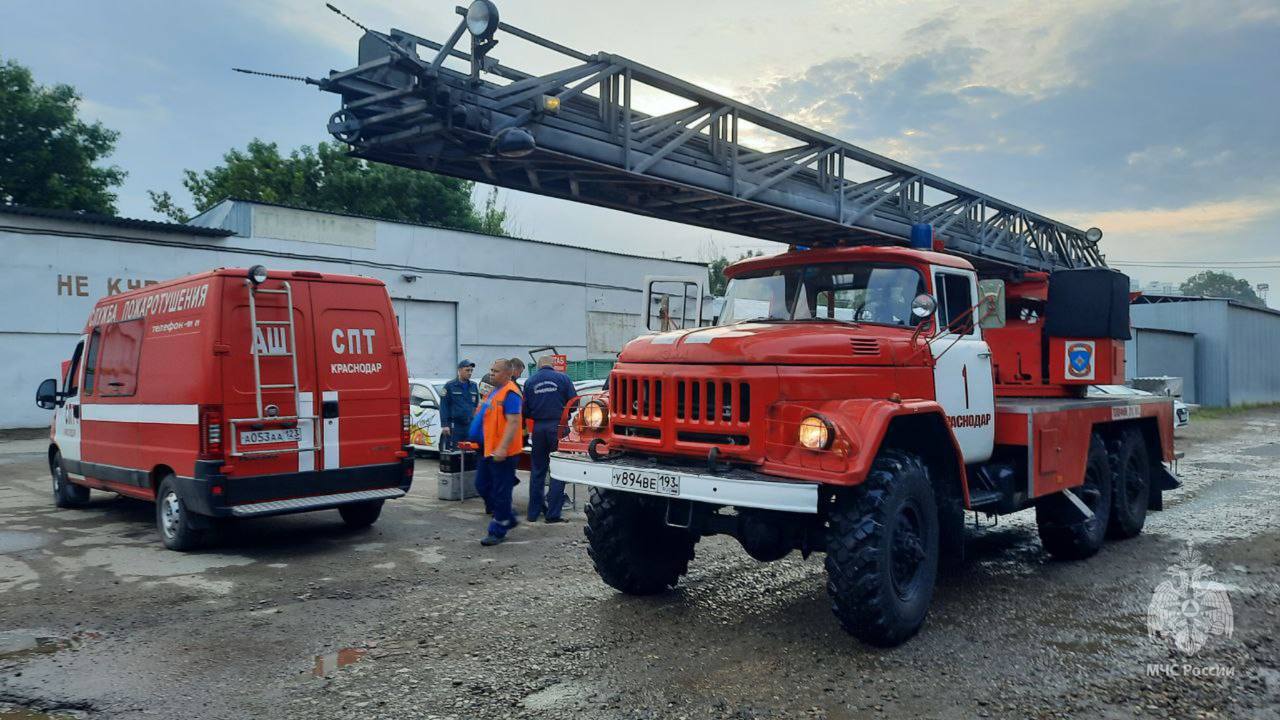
907, 552
170, 514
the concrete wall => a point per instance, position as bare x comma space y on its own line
1163, 353
508, 295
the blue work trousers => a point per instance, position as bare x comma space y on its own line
546, 436
494, 482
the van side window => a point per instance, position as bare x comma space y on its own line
118, 368
70, 386
954, 300
91, 360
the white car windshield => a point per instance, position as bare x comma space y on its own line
848, 292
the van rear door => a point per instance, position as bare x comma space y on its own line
360, 374
259, 444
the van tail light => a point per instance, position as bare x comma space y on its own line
404, 430
211, 432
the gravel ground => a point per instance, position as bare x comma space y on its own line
298, 617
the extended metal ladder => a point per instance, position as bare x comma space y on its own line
289, 351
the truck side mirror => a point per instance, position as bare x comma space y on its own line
991, 305
47, 395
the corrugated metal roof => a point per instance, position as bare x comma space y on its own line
453, 229
111, 221
1154, 299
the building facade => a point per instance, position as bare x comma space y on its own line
456, 294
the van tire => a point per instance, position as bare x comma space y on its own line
1130, 484
173, 519
361, 514
66, 494
1062, 533
882, 550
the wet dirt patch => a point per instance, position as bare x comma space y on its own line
1268, 450
19, 644
14, 712
1225, 466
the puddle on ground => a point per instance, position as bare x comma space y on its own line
17, 644
1268, 450
13, 542
1225, 466
329, 662
9, 712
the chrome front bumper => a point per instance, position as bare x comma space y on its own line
779, 494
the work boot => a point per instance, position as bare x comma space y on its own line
553, 521
491, 540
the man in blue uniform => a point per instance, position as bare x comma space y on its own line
458, 403
546, 392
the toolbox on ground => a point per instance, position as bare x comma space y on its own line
457, 475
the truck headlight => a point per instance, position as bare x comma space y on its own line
816, 432
594, 415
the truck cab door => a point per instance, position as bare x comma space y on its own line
673, 303
962, 373
66, 419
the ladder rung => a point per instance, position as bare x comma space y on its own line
277, 387
283, 354
275, 322
271, 292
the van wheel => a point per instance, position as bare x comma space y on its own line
173, 520
1062, 532
882, 551
362, 514
66, 494
1131, 484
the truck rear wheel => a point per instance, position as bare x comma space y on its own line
631, 545
1064, 534
173, 519
362, 514
1131, 484
66, 494
882, 551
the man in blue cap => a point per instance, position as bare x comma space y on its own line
546, 392
458, 403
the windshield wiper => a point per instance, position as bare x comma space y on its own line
850, 323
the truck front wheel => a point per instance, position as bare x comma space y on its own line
631, 545
882, 550
66, 494
1064, 533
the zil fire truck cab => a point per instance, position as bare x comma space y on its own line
235, 394
856, 401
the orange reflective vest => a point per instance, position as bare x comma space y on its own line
495, 423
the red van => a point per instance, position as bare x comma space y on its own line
233, 394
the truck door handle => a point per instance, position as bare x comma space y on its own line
75, 411
984, 354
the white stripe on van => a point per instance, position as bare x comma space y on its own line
306, 407
141, 413
330, 434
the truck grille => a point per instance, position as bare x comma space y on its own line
697, 410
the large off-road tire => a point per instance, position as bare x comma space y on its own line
66, 494
173, 520
882, 550
362, 514
1062, 532
1130, 484
631, 545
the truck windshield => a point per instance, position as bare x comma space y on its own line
848, 292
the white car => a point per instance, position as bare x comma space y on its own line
1181, 413
424, 413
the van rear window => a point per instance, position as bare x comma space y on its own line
117, 374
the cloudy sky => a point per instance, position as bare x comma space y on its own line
1156, 121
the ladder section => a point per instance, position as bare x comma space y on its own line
575, 133
287, 350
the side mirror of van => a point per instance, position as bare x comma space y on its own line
428, 405
47, 395
991, 308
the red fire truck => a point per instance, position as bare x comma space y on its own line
235, 394
921, 349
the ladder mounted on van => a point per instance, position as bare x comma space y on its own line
289, 351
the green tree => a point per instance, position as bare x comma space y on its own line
717, 267
326, 178
48, 155
1220, 285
